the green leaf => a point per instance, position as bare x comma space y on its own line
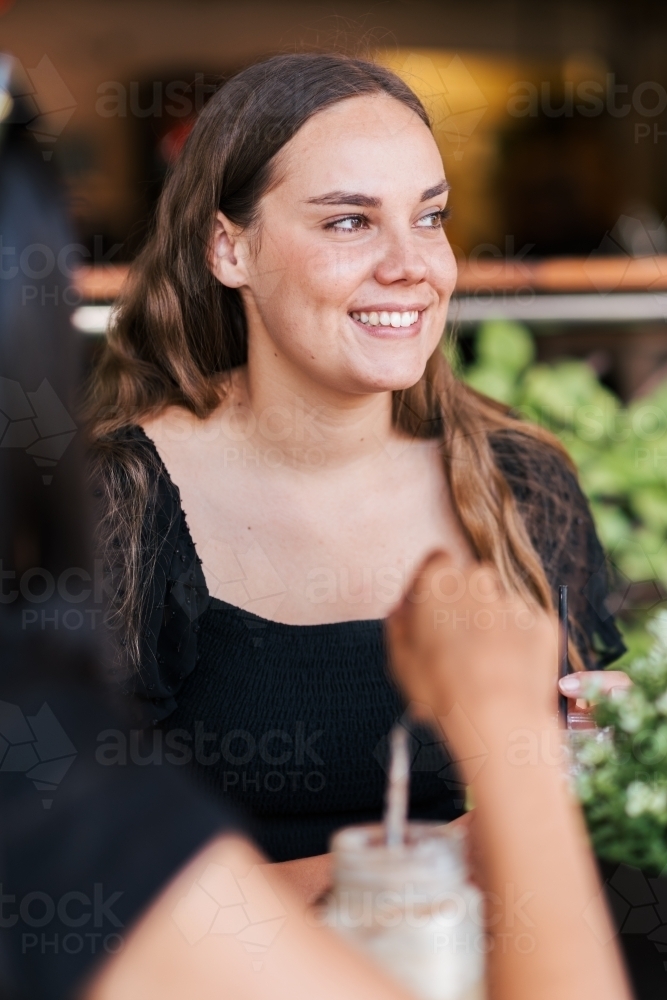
504, 346
498, 385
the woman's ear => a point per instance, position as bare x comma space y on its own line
227, 256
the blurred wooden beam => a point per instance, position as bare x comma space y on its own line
557, 274
564, 274
101, 284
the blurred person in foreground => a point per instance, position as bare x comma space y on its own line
530, 834
83, 847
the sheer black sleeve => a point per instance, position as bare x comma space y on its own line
560, 525
174, 596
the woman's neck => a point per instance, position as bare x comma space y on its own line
313, 426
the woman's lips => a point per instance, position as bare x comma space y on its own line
388, 323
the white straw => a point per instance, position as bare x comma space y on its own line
396, 800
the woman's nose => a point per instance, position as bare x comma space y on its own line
401, 261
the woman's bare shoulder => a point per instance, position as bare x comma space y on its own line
175, 424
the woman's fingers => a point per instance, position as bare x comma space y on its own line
583, 683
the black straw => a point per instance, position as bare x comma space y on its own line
563, 661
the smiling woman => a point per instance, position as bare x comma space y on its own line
275, 371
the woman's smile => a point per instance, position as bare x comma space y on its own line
388, 321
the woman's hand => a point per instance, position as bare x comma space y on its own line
585, 686
579, 685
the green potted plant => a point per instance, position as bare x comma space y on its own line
621, 782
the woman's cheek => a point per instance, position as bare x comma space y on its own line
443, 272
339, 269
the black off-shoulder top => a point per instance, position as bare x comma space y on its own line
292, 721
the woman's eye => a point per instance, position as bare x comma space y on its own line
350, 224
433, 220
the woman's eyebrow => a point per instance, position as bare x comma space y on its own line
434, 191
366, 200
346, 198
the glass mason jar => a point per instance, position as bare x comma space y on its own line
411, 908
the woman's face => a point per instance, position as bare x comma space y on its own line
352, 272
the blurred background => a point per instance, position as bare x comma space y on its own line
552, 122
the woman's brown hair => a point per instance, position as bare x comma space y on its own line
177, 330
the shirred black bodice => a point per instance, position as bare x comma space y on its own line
291, 721
296, 720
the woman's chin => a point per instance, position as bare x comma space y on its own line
392, 380
366, 376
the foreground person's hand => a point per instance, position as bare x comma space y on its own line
486, 665
457, 639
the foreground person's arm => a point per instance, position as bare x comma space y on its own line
174, 951
487, 668
309, 878
552, 936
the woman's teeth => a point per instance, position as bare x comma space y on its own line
395, 319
